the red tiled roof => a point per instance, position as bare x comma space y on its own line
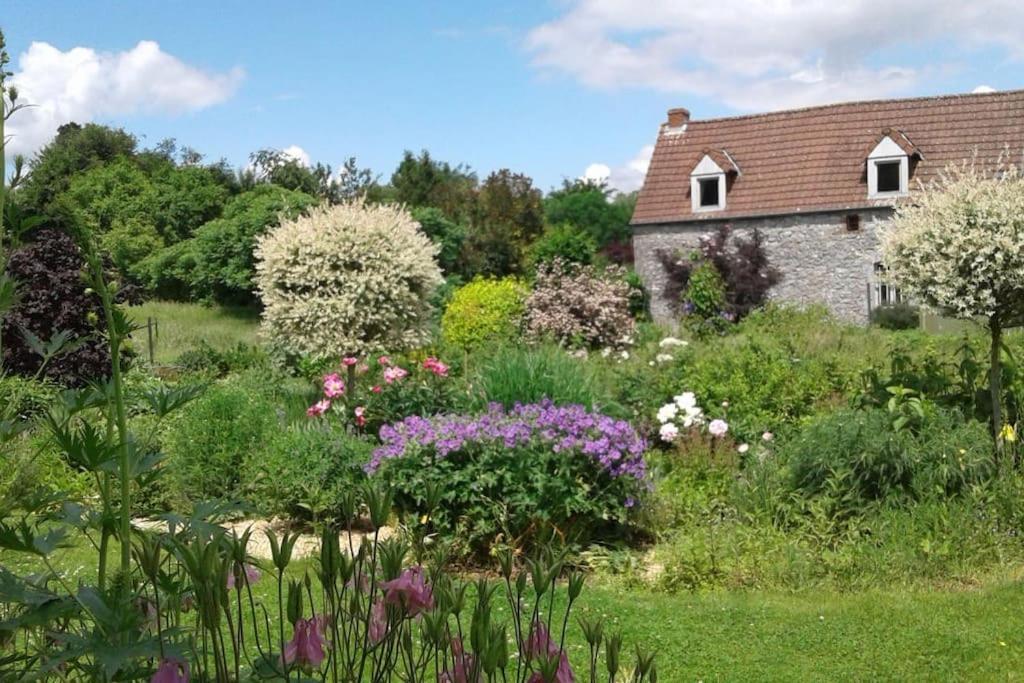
813, 159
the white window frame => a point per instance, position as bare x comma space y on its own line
887, 151
707, 169
884, 293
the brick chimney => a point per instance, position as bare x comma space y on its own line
678, 117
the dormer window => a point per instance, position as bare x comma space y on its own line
707, 186
888, 170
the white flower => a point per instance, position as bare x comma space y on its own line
651, 363
694, 416
767, 436
624, 355
671, 341
725, 404
743, 448
663, 357
667, 412
686, 400
668, 432
718, 428
605, 352
579, 353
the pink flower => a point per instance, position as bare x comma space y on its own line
360, 416
376, 389
539, 644
463, 666
349, 361
334, 386
306, 648
435, 366
384, 360
410, 590
378, 622
171, 671
252, 575
362, 369
718, 428
393, 374
319, 408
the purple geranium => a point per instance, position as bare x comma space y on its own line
573, 430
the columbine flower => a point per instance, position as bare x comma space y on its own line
378, 622
319, 408
171, 671
463, 666
540, 644
393, 374
306, 647
252, 575
767, 436
667, 412
663, 357
349, 361
410, 590
718, 428
435, 366
743, 448
334, 386
360, 412
668, 432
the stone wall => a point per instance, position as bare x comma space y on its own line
820, 260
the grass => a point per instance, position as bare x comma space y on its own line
182, 326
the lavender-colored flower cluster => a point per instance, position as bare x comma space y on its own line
613, 444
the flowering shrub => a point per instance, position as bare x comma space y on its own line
580, 306
346, 279
683, 414
504, 474
484, 311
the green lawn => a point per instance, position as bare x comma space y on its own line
182, 326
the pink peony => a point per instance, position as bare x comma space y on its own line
362, 369
718, 428
319, 408
360, 412
410, 590
376, 389
334, 386
384, 360
349, 361
393, 374
171, 671
306, 648
252, 575
435, 366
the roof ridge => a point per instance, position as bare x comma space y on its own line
848, 103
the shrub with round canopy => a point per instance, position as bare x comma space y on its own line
346, 280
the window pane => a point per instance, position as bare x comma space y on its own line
888, 176
709, 191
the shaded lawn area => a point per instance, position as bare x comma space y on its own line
816, 635
183, 326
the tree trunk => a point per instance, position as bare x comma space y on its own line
995, 381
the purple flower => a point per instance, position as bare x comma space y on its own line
171, 671
410, 590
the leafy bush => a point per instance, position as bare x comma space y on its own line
503, 476
23, 397
483, 311
580, 306
565, 242
224, 247
304, 471
446, 234
347, 280
901, 316
704, 301
741, 262
53, 298
515, 374
170, 273
207, 442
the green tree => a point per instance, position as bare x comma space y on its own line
445, 233
421, 181
591, 207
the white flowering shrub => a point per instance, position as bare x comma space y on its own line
346, 280
959, 247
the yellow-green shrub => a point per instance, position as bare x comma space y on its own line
484, 310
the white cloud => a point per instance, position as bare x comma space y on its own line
982, 89
625, 178
298, 154
768, 54
83, 85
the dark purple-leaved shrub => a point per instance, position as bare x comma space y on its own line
53, 298
741, 261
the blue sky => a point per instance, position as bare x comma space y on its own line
546, 88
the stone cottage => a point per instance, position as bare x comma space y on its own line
818, 183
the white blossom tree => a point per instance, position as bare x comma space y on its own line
958, 246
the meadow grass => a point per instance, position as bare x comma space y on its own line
183, 326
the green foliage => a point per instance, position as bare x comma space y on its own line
588, 207
421, 181
305, 470
169, 273
223, 248
207, 442
566, 242
447, 234
901, 316
23, 397
508, 216
704, 300
131, 243
483, 311
513, 374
